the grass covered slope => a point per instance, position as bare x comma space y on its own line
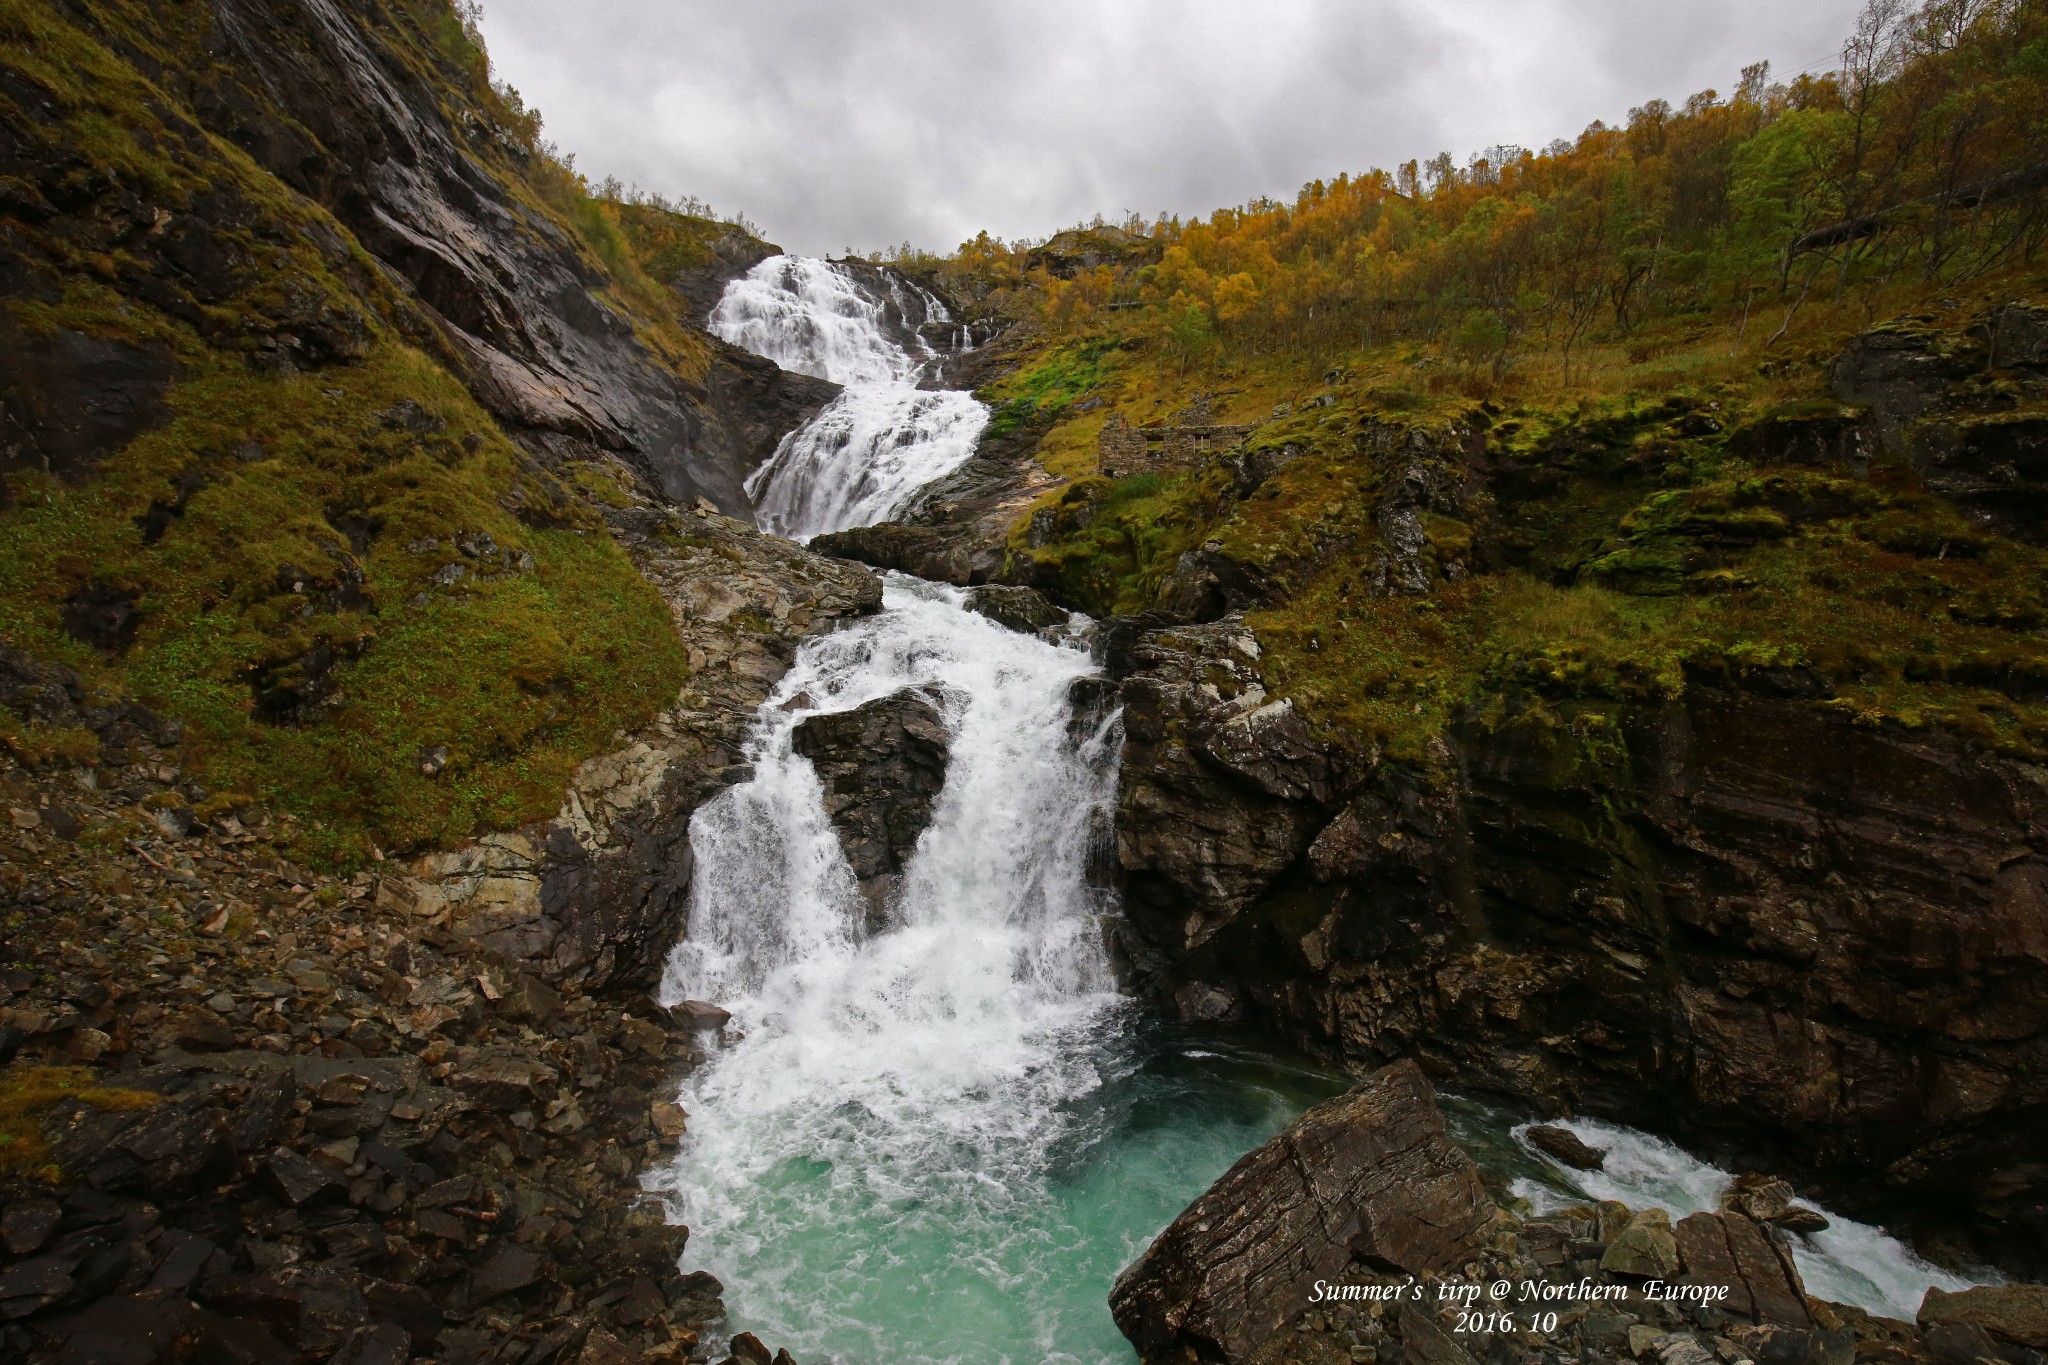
1600, 422
1742, 529
248, 479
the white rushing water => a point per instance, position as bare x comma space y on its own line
1850, 1262
940, 1139
909, 1082
874, 446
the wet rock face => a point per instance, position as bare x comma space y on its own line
1735, 918
733, 254
882, 766
1223, 787
750, 403
1024, 610
928, 552
310, 93
68, 401
1565, 1146
1967, 444
1369, 1177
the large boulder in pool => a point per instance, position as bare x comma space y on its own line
882, 766
1370, 1176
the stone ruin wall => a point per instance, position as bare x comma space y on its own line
1123, 450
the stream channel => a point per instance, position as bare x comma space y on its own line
940, 1140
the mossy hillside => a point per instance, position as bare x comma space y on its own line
1041, 392
1115, 542
288, 607
262, 534
1627, 542
664, 243
1791, 582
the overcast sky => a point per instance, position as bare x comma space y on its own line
864, 123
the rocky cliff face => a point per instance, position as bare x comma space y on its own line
1725, 905
310, 93
1730, 917
345, 113
319, 373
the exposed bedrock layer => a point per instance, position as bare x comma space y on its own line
338, 109
1733, 917
1363, 1233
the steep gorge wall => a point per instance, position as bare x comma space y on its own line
1732, 918
321, 383
354, 471
1797, 932
316, 94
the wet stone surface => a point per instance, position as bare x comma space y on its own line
311, 1128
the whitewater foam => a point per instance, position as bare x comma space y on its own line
1851, 1262
865, 456
909, 1081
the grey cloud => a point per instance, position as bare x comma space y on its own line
836, 125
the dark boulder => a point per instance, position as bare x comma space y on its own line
1025, 610
1564, 1145
2017, 1313
928, 552
1369, 1177
1767, 1199
882, 766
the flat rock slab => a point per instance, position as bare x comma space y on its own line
2015, 1312
1728, 1249
1369, 1176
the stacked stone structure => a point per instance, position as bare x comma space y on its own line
1190, 437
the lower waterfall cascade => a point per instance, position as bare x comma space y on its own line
897, 1154
940, 1138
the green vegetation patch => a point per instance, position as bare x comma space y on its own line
28, 1093
324, 574
1044, 390
331, 566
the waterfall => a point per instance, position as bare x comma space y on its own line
939, 1140
870, 450
873, 1152
904, 1089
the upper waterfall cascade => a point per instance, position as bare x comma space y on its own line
865, 456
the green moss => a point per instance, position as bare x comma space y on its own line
27, 1093
333, 569
1625, 549
1044, 390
